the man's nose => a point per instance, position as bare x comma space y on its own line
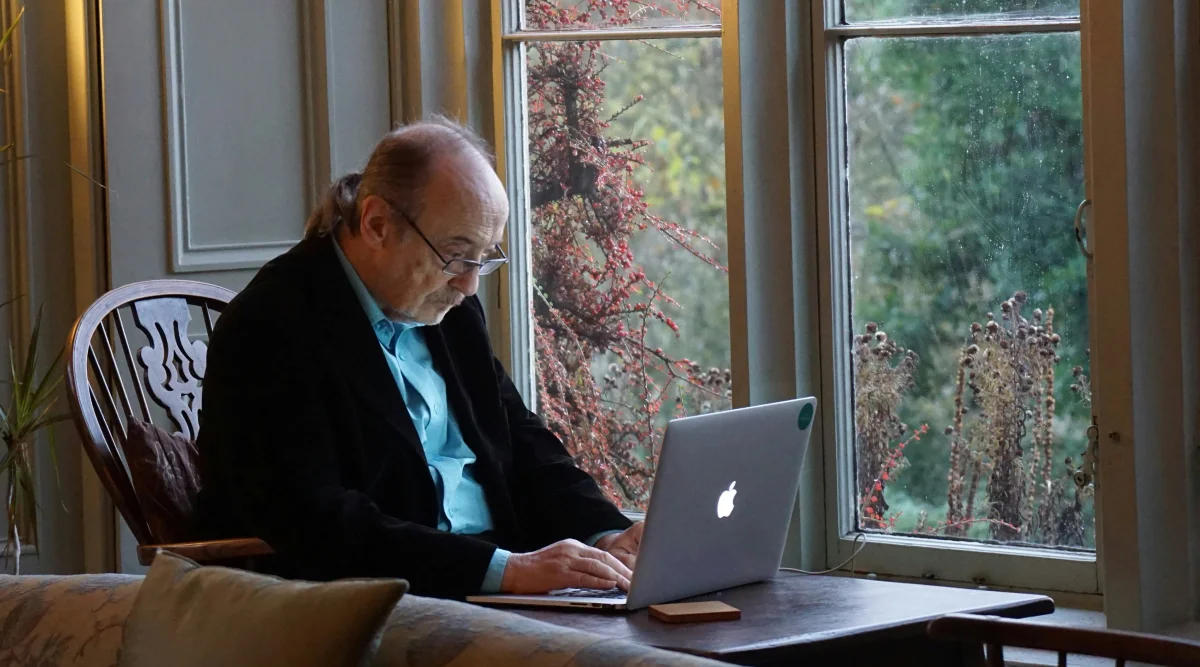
467, 283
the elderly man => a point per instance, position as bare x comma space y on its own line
354, 414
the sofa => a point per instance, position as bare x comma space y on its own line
79, 621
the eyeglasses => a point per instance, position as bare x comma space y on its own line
458, 267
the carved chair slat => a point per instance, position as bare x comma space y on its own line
174, 364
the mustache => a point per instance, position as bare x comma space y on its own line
449, 298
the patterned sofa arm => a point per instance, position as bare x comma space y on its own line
76, 621
424, 632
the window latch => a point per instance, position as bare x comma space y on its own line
1087, 469
1083, 206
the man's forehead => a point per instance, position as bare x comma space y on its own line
466, 203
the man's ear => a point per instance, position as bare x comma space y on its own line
374, 222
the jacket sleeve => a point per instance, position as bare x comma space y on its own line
268, 444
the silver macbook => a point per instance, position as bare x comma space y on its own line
719, 508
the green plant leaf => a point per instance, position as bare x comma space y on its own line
12, 28
48, 421
16, 378
31, 355
48, 384
6, 462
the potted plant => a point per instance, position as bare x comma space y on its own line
29, 410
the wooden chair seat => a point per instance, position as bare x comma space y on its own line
114, 378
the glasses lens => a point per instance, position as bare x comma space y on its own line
457, 267
490, 266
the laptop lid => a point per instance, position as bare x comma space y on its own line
722, 500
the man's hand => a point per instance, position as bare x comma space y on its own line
623, 545
566, 564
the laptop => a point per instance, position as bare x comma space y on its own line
719, 509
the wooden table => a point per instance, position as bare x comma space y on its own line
799, 619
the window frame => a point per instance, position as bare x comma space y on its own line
892, 555
822, 534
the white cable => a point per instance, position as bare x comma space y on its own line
857, 549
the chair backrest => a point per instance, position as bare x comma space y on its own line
116, 373
1120, 647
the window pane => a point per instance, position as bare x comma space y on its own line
594, 14
970, 323
858, 11
631, 301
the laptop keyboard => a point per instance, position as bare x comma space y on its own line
611, 593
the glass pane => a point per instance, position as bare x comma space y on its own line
594, 14
970, 322
859, 11
631, 300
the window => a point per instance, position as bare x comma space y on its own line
956, 135
625, 304
948, 165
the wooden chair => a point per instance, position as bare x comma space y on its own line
107, 389
996, 633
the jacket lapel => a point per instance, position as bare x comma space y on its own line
356, 347
487, 468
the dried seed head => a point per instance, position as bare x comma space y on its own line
1006, 306
992, 327
949, 430
1020, 298
872, 327
976, 327
972, 349
1037, 314
881, 337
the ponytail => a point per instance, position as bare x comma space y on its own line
338, 206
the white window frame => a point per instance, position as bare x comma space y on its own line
784, 310
904, 557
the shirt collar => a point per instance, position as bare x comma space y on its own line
386, 329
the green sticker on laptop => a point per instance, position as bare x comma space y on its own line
806, 416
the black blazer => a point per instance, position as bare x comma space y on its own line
306, 442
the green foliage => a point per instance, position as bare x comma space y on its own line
680, 111
966, 164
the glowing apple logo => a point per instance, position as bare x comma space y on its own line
725, 502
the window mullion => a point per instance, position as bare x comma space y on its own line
519, 279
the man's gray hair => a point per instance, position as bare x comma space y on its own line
397, 171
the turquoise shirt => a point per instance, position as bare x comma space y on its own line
464, 508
